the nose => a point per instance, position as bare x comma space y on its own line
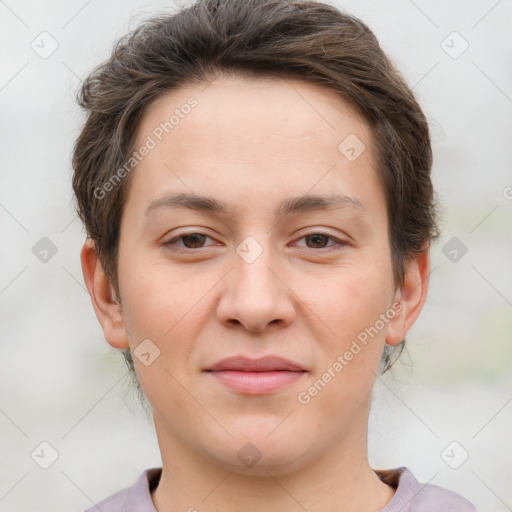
256, 293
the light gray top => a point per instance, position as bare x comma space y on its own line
410, 495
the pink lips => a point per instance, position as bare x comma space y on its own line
256, 376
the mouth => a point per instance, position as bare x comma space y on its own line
256, 376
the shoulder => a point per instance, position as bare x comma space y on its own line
134, 498
116, 502
413, 496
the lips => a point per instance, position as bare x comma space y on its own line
256, 376
264, 364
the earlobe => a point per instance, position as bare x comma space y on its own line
411, 297
104, 300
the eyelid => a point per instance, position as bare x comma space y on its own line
176, 238
338, 241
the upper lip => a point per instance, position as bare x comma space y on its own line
263, 364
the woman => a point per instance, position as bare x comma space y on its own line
254, 178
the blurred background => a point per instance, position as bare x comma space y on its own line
72, 429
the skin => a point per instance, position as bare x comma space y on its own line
252, 143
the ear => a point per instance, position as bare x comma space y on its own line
106, 307
411, 297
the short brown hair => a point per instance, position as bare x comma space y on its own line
302, 39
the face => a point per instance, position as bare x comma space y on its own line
257, 267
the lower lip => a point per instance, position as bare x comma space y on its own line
256, 383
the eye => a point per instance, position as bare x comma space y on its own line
320, 240
190, 241
197, 240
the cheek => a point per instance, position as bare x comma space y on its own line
166, 309
170, 307
157, 298
351, 307
350, 302
350, 299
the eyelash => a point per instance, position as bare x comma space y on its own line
172, 243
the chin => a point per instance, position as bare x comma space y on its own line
275, 465
259, 455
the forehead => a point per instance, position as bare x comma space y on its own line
245, 136
265, 106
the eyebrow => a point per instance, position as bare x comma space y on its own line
298, 204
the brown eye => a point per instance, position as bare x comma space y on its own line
188, 241
318, 241
194, 240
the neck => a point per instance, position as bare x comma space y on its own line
341, 479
